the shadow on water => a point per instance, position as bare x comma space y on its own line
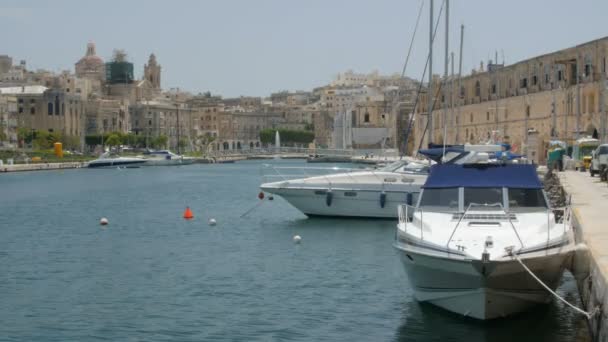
423, 322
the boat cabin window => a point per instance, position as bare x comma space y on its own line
405, 167
482, 196
526, 198
443, 197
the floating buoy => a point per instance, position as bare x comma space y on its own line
270, 198
188, 214
212, 222
103, 221
328, 197
297, 238
382, 199
261, 195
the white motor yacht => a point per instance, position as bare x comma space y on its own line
368, 193
474, 227
109, 160
166, 158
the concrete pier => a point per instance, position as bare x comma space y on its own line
590, 208
41, 166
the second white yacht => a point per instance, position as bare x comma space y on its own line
166, 158
369, 193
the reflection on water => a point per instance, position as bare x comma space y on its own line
423, 322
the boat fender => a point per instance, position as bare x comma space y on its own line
328, 197
261, 195
382, 199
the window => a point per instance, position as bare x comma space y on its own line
526, 198
482, 196
33, 110
20, 101
488, 116
366, 117
559, 75
49, 108
471, 117
20, 110
477, 89
32, 101
493, 88
527, 111
446, 197
534, 80
523, 83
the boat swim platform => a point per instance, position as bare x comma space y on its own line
590, 266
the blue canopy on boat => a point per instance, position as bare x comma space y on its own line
521, 176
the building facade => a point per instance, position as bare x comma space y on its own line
557, 96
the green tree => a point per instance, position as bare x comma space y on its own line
288, 137
3, 136
113, 140
160, 141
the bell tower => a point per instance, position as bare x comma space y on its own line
152, 72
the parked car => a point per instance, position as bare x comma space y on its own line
599, 161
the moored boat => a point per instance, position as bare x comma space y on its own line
108, 160
367, 193
464, 245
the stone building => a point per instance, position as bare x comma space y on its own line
8, 120
152, 72
560, 95
48, 109
106, 115
162, 117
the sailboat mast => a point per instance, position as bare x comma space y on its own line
430, 87
445, 73
458, 119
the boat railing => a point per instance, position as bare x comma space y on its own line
273, 173
409, 214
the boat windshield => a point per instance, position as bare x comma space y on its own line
444, 199
482, 196
405, 167
520, 199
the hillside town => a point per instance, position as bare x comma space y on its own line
98, 98
556, 96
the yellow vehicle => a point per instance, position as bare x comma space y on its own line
581, 152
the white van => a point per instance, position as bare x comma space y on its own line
599, 159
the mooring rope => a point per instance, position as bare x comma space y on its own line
589, 315
251, 209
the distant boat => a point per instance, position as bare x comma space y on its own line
108, 160
165, 158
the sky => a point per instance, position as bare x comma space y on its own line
255, 47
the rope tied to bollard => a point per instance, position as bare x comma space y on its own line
589, 315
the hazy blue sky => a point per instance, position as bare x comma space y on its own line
251, 47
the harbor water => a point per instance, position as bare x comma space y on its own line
150, 275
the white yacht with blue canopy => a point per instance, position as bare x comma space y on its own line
474, 225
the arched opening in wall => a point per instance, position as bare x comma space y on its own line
472, 138
238, 145
49, 108
226, 146
592, 131
257, 144
251, 145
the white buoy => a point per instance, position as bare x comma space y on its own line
212, 222
103, 221
297, 238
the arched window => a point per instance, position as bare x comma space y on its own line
238, 145
226, 145
49, 108
57, 105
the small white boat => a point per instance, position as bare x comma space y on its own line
368, 193
108, 160
166, 158
464, 243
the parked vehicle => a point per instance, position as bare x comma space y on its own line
581, 152
599, 161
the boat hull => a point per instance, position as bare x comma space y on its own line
364, 203
114, 164
489, 290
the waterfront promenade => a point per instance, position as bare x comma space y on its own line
590, 207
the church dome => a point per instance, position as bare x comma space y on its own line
90, 63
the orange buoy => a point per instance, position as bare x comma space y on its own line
261, 195
188, 214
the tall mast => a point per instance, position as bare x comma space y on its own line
458, 119
445, 73
430, 86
